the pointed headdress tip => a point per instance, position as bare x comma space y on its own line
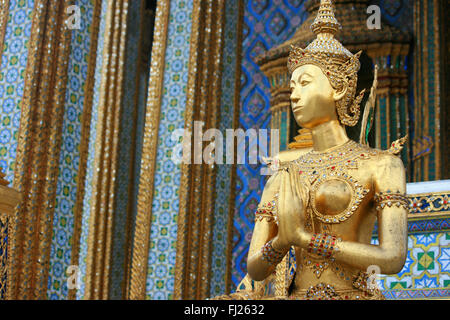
326, 21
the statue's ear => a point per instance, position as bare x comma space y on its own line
340, 93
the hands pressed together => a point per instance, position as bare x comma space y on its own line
292, 202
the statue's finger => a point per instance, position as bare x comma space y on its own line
301, 190
293, 187
282, 193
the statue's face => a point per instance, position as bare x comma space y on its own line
312, 97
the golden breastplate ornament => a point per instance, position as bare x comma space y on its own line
334, 194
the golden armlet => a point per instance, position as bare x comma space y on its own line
389, 199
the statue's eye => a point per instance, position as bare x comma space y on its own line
304, 82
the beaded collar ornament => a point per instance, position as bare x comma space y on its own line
337, 63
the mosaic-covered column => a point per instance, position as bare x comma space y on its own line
38, 145
82, 209
224, 209
76, 120
391, 120
102, 200
141, 242
138, 46
427, 111
182, 234
9, 199
267, 24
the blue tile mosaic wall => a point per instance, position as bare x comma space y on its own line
66, 190
163, 233
91, 153
12, 71
119, 249
427, 269
223, 178
266, 24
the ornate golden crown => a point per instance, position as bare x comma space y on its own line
337, 63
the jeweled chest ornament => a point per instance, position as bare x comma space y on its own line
324, 168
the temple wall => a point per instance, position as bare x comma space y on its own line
266, 24
17, 29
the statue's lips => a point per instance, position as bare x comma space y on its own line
297, 108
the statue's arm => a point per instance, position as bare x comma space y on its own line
257, 268
264, 230
390, 254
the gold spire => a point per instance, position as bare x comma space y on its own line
325, 21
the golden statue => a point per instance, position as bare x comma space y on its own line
322, 204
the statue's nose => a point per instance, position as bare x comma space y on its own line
295, 96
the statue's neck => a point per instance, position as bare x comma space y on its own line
328, 135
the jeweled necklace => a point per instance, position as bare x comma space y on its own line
320, 167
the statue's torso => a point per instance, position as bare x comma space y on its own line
340, 203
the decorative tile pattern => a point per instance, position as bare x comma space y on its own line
4, 221
12, 70
432, 208
266, 24
427, 269
125, 152
427, 165
397, 13
163, 234
91, 153
220, 224
63, 221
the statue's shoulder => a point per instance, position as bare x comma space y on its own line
384, 158
288, 156
395, 148
285, 158
282, 159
